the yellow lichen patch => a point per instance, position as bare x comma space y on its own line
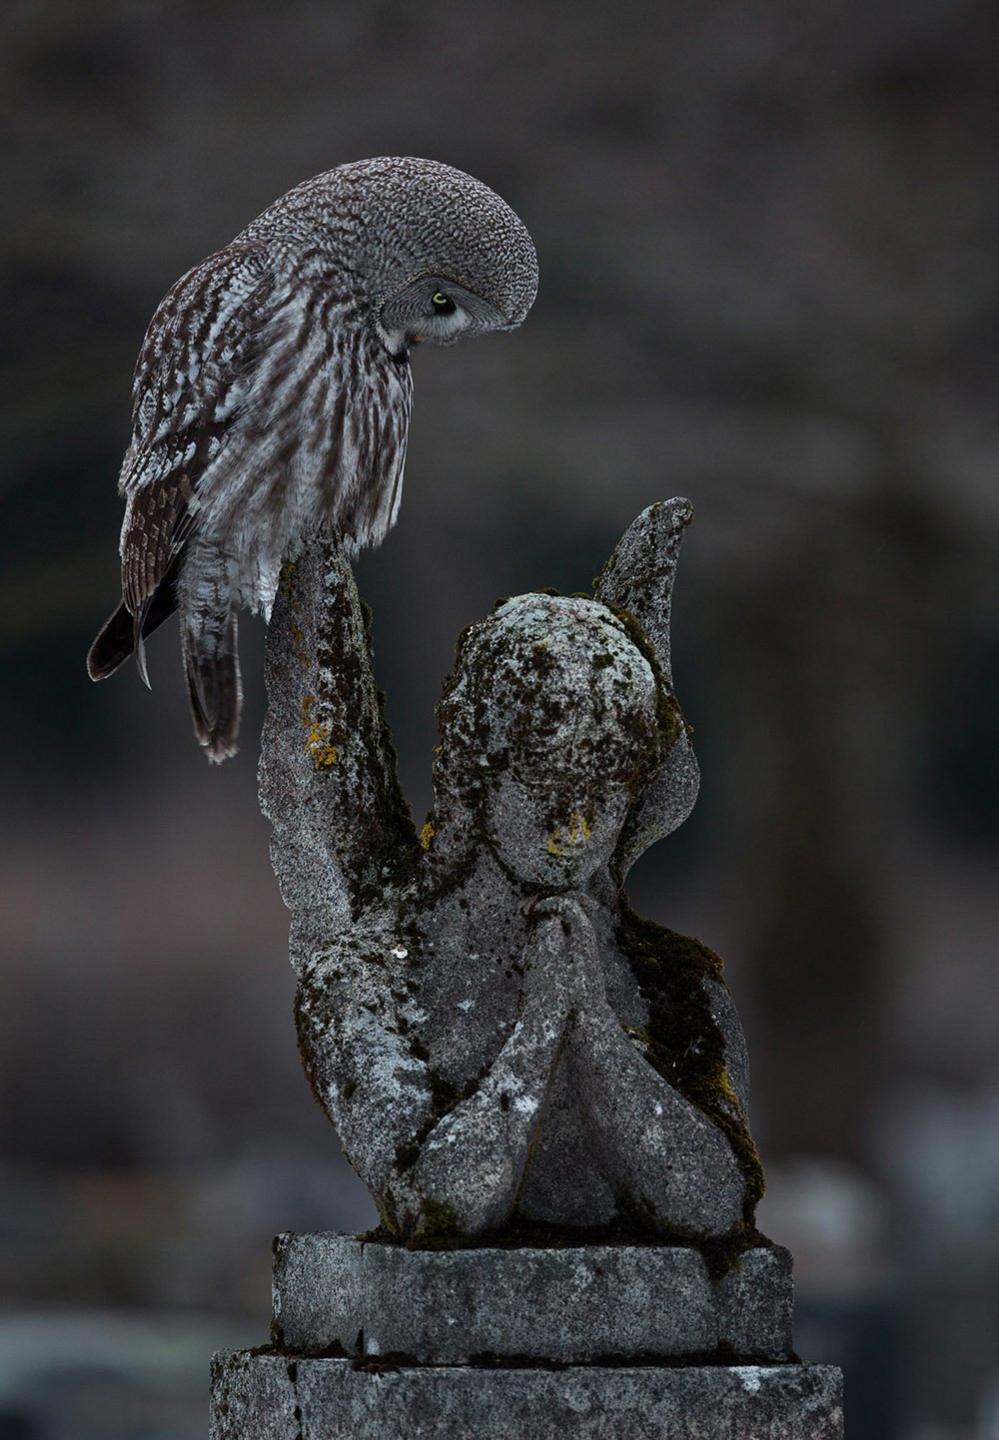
638, 1032
318, 745
727, 1088
317, 737
427, 834
576, 832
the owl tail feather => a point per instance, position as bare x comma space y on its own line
114, 644
122, 634
215, 688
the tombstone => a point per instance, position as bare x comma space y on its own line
545, 1093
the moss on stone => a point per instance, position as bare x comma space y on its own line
686, 1045
439, 1220
669, 716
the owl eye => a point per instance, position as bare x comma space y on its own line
443, 304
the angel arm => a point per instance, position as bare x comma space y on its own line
432, 1169
328, 782
653, 1145
674, 1165
471, 1165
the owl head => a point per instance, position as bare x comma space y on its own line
430, 253
448, 258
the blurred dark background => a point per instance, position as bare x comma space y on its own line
767, 236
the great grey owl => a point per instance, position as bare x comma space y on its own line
273, 390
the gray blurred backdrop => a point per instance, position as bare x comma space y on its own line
767, 235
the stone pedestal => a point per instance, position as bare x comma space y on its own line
373, 1340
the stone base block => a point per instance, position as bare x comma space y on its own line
593, 1303
277, 1397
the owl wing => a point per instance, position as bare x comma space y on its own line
194, 374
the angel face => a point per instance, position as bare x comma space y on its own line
570, 731
554, 835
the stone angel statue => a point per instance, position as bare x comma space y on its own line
498, 1038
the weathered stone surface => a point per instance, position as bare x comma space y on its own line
252, 1401
269, 1397
756, 1304
574, 1304
493, 1032
501, 1042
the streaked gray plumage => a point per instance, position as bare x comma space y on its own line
273, 392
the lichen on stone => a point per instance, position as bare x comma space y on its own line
499, 1040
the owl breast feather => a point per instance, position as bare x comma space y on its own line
308, 426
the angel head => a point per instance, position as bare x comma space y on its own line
552, 728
